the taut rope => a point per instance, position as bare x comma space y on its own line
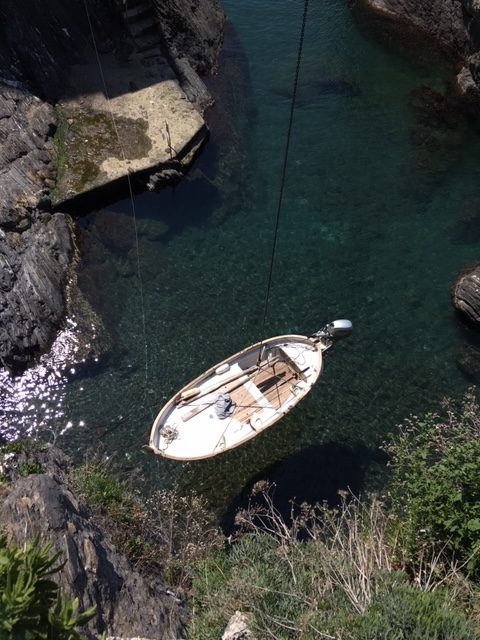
284, 172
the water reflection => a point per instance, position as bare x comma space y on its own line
33, 404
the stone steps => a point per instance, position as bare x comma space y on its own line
137, 13
140, 28
142, 24
147, 42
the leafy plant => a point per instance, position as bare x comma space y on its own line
165, 533
31, 606
407, 613
327, 573
27, 468
435, 486
22, 445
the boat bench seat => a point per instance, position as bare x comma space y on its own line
283, 353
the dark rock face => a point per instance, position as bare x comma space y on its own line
454, 24
192, 29
466, 295
39, 49
467, 82
192, 33
444, 19
95, 573
35, 246
35, 57
26, 154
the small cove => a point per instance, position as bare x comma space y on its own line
381, 212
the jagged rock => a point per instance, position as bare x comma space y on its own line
467, 81
237, 628
36, 56
39, 50
466, 295
26, 155
443, 19
35, 246
192, 29
454, 25
35, 264
95, 572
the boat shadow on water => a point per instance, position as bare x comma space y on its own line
315, 475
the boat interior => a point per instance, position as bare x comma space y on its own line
270, 386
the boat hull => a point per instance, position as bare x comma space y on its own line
261, 390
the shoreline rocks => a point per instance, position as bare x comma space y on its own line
35, 246
43, 504
455, 26
466, 295
36, 59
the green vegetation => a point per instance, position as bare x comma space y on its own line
435, 487
31, 607
27, 468
329, 574
22, 445
166, 534
402, 568
20, 457
60, 141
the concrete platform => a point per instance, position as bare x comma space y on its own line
128, 117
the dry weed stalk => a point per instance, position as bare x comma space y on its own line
187, 532
354, 545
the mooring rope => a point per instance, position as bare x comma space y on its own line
283, 174
134, 215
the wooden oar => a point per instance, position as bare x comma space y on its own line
197, 392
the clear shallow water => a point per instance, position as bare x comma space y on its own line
380, 214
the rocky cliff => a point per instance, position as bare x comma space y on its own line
43, 504
455, 24
39, 45
35, 246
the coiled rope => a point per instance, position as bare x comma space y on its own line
283, 173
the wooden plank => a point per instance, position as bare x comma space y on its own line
197, 393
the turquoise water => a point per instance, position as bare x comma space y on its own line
381, 211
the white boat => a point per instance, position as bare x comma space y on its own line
240, 397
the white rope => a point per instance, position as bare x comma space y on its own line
134, 216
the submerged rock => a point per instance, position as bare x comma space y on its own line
466, 295
468, 361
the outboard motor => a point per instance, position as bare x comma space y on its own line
334, 331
